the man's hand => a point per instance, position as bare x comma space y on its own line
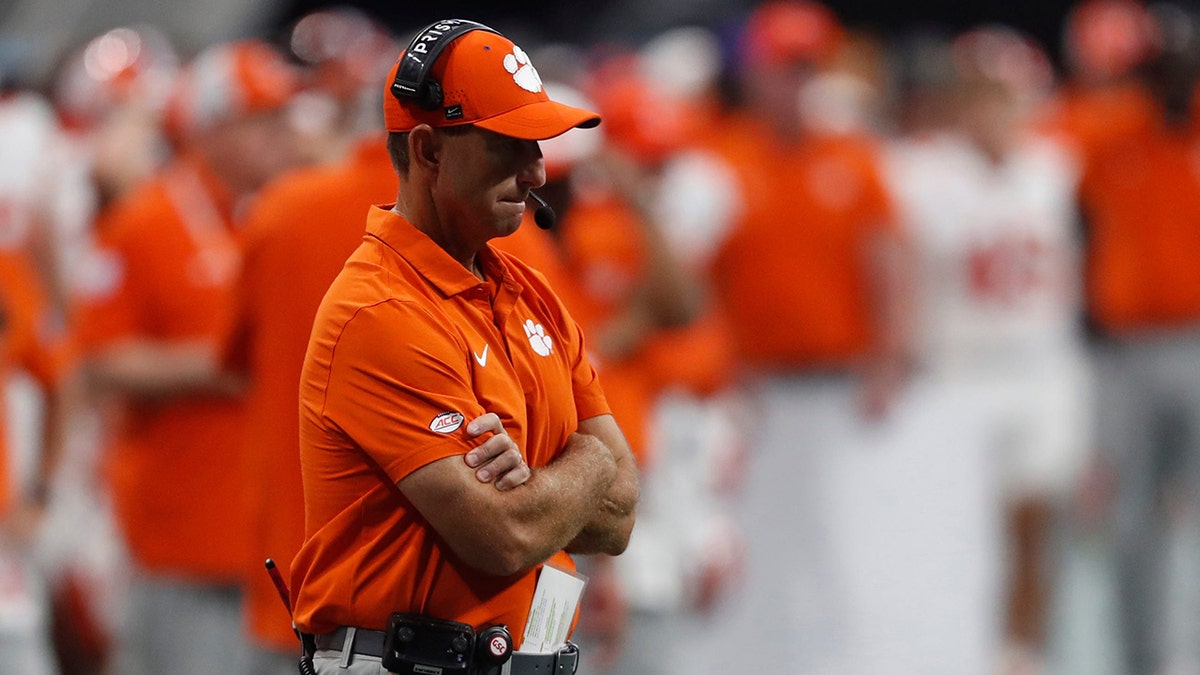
498, 458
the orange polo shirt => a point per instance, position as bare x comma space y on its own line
164, 270
395, 368
1141, 199
300, 232
793, 275
29, 340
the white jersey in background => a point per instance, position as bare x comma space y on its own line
999, 279
29, 136
998, 297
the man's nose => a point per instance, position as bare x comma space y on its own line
533, 175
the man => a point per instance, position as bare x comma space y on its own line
156, 298
1139, 194
298, 235
803, 256
455, 442
1000, 408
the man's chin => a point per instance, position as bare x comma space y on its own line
507, 226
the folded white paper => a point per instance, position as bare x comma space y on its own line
553, 608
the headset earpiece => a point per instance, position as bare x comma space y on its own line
431, 97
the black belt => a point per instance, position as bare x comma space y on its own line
370, 643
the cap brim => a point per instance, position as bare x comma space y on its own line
539, 121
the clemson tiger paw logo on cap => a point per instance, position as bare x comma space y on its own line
524, 74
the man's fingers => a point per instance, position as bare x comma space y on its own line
499, 459
517, 476
502, 463
488, 450
485, 423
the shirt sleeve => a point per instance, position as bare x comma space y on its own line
400, 388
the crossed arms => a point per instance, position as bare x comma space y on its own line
583, 501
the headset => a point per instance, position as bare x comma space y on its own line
413, 80
415, 83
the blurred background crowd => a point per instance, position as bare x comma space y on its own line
903, 326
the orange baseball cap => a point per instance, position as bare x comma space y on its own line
229, 81
487, 81
784, 31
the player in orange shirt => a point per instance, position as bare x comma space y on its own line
155, 301
309, 221
810, 268
1141, 200
301, 230
431, 347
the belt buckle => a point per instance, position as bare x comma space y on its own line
567, 656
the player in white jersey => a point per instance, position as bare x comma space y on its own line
29, 135
990, 209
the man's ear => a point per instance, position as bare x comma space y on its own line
424, 147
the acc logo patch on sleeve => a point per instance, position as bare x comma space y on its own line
446, 422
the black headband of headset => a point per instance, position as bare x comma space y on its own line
423, 51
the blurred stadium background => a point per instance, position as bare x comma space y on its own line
843, 507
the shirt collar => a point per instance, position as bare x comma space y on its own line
429, 260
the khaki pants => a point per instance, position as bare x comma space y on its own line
330, 663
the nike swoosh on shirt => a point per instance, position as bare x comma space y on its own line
481, 360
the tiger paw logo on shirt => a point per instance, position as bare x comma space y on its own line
541, 343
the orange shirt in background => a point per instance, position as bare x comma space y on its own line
1141, 201
407, 347
29, 340
699, 358
792, 276
1089, 118
164, 270
300, 232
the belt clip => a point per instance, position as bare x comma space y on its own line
567, 657
348, 647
